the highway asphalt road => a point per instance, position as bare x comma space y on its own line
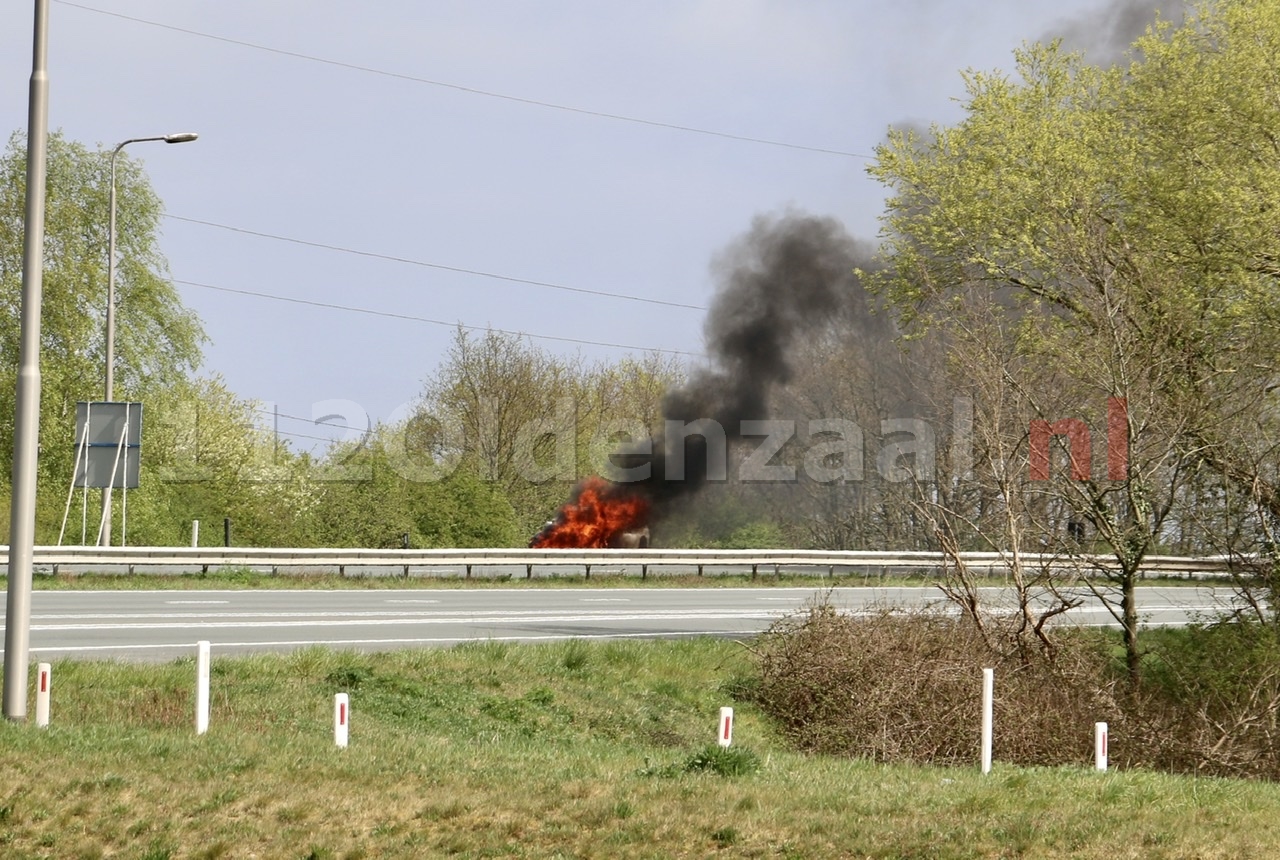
163, 625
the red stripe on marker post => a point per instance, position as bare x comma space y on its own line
45, 672
341, 705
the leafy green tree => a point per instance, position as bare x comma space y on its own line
503, 432
512, 409
210, 458
158, 338
378, 497
1207, 206
1121, 223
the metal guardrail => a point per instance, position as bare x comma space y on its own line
427, 562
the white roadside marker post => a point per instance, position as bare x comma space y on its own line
44, 682
195, 533
1100, 746
202, 686
341, 716
725, 736
988, 702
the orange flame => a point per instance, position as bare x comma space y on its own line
595, 518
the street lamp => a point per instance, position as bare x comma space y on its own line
109, 388
184, 137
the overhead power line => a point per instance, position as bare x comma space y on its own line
275, 430
273, 413
413, 318
293, 435
465, 89
439, 266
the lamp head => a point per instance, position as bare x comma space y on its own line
181, 137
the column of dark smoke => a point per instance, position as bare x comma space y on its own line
1105, 33
785, 277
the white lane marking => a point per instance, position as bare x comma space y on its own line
396, 641
489, 619
412, 601
196, 602
447, 614
158, 620
784, 599
604, 600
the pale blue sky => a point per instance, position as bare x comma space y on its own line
367, 126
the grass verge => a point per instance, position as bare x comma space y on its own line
571, 749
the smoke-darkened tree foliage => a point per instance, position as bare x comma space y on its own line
791, 336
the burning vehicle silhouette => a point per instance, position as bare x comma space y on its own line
599, 516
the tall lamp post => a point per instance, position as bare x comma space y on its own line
26, 435
109, 388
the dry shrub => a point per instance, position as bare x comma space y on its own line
1209, 702
906, 686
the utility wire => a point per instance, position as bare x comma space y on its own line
314, 423
258, 410
412, 318
440, 266
293, 435
465, 89
276, 431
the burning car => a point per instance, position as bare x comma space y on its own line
601, 515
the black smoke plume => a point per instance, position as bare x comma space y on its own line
783, 280
1105, 34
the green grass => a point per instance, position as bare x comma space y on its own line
572, 749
